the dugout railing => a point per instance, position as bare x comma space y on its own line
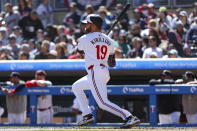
151, 91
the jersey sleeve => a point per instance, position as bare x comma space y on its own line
80, 45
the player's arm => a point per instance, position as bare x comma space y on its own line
36, 83
43, 83
112, 60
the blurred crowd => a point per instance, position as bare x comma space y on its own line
28, 33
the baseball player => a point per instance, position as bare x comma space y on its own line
99, 54
44, 102
16, 104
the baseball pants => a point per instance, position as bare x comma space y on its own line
44, 117
16, 118
96, 81
191, 118
172, 118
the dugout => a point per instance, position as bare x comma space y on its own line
127, 72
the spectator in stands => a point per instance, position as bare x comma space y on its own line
43, 53
23, 56
39, 35
164, 16
69, 45
172, 54
11, 17
62, 52
45, 13
176, 17
89, 9
168, 105
136, 51
3, 36
70, 29
154, 32
32, 47
14, 46
152, 48
123, 45
175, 38
30, 24
23, 8
144, 43
134, 31
187, 51
163, 31
124, 22
184, 19
151, 14
191, 35
79, 32
52, 54
26, 48
189, 101
106, 22
60, 30
48, 38
17, 32
138, 19
44, 102
16, 104
194, 12
72, 14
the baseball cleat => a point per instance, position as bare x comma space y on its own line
87, 119
130, 121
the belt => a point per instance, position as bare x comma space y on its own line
91, 66
44, 109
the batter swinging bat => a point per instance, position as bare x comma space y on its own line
119, 17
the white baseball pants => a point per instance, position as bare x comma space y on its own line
44, 117
191, 118
16, 118
172, 118
96, 81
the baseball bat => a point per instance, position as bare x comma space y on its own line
122, 13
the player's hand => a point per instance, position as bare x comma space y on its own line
5, 90
31, 84
10, 92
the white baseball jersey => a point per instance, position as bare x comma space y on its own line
97, 47
44, 101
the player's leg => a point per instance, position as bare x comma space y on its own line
97, 78
99, 91
20, 117
78, 89
1, 112
175, 117
11, 118
190, 118
47, 116
164, 118
39, 117
195, 118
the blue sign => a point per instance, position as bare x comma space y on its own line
59, 65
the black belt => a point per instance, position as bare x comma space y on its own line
44, 109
